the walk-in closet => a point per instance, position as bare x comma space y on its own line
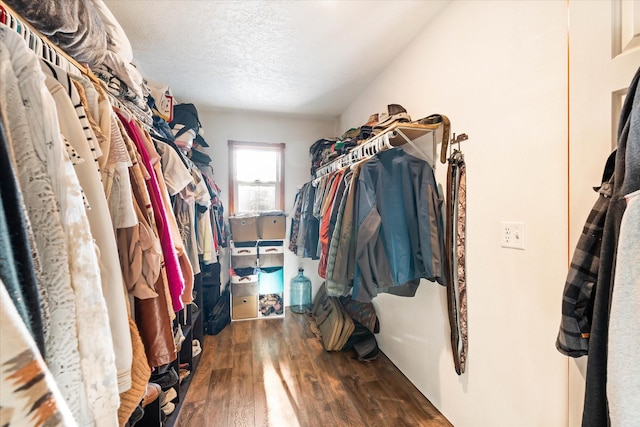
319, 213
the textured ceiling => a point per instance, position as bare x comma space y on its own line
294, 57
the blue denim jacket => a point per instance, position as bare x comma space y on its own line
399, 226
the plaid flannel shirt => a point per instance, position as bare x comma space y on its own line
579, 289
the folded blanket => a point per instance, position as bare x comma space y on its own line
73, 25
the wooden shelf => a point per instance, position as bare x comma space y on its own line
416, 139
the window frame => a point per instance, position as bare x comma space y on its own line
277, 147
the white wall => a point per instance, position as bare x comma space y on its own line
499, 71
297, 133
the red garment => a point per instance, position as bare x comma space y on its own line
325, 222
174, 273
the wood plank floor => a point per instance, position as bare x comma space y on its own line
275, 373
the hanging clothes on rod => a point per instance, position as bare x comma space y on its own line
92, 190
372, 229
419, 138
54, 201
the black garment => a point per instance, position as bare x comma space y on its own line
210, 287
578, 294
313, 227
17, 258
596, 412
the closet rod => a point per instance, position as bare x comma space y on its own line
366, 150
396, 136
7, 10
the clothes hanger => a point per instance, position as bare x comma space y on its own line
456, 140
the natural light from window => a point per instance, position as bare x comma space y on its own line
256, 176
256, 165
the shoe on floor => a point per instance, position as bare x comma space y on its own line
168, 396
166, 379
184, 373
196, 348
178, 338
168, 408
152, 393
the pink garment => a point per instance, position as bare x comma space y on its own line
174, 273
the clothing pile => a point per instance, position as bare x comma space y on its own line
375, 227
271, 304
103, 229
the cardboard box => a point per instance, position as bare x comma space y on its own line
245, 307
272, 226
244, 228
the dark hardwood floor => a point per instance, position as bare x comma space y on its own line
274, 373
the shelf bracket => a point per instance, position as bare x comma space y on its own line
414, 145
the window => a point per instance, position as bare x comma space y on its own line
256, 176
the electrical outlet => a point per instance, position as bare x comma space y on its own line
512, 235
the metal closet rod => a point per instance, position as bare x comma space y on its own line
383, 142
360, 152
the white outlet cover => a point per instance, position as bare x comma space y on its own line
512, 235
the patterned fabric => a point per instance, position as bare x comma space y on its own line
29, 395
577, 301
295, 221
38, 188
455, 263
305, 231
105, 344
462, 254
67, 85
